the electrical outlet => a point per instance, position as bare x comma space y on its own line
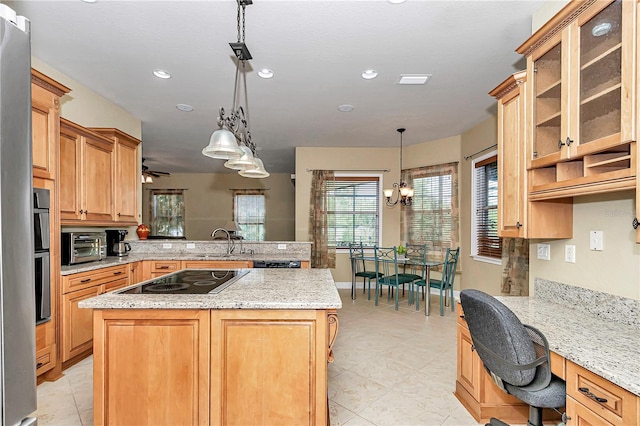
544, 251
191, 245
570, 253
282, 246
166, 245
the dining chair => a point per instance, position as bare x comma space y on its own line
413, 266
387, 270
445, 283
359, 268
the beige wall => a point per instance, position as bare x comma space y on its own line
476, 274
86, 108
616, 269
369, 159
209, 201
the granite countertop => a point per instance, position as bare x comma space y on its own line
115, 261
259, 289
610, 349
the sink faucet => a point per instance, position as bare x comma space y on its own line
230, 243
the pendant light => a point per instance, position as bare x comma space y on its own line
405, 193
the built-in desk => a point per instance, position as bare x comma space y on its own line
595, 344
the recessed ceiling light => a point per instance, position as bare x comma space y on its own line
345, 108
414, 78
184, 107
369, 74
89, 1
601, 29
396, 1
265, 73
161, 73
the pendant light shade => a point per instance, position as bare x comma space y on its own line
256, 172
223, 146
242, 163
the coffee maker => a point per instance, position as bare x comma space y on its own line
115, 242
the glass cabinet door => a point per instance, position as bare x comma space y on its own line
547, 92
601, 76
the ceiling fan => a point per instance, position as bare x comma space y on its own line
148, 175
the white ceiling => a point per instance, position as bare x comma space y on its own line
317, 50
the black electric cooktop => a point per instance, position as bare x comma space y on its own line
192, 281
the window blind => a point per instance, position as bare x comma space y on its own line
249, 215
486, 208
167, 212
430, 219
354, 210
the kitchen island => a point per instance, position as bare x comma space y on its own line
255, 353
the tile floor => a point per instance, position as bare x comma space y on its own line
391, 368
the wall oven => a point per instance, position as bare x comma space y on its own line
41, 234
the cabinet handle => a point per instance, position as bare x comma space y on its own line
635, 223
569, 141
118, 214
81, 211
86, 280
560, 143
163, 267
518, 225
40, 364
588, 393
462, 316
117, 273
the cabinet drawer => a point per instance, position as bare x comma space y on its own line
165, 266
115, 285
615, 404
45, 360
92, 278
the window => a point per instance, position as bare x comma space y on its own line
432, 218
485, 243
167, 212
354, 210
249, 213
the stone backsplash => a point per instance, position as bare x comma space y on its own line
293, 249
603, 305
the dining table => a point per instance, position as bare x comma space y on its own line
405, 261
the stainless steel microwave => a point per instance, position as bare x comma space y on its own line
81, 247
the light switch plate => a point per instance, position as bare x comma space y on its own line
570, 253
596, 240
543, 251
166, 245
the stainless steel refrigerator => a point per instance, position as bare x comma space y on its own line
17, 289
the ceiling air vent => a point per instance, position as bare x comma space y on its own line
414, 78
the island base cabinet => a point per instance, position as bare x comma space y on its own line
151, 367
269, 367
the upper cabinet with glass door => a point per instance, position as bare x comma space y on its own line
582, 65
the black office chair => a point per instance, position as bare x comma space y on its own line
515, 355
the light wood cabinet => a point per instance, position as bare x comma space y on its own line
45, 124
475, 389
594, 400
517, 216
581, 93
126, 175
77, 324
135, 272
165, 353
158, 268
86, 164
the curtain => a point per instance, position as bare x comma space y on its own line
322, 255
434, 216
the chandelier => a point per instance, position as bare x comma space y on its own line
405, 193
232, 141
